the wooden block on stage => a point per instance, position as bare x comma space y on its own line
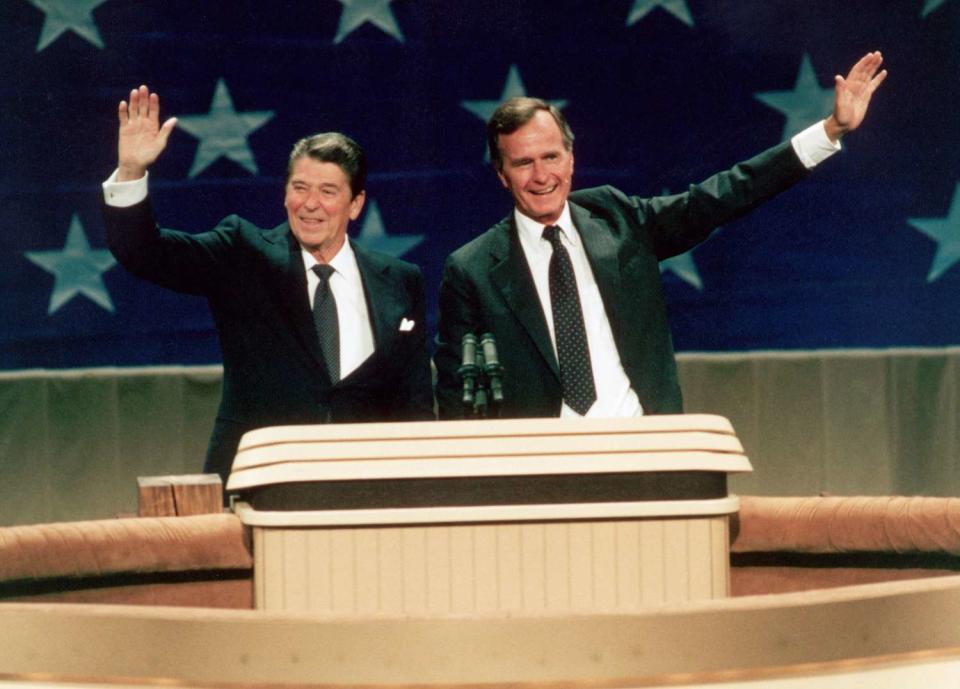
179, 496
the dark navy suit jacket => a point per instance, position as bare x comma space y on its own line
487, 285
255, 283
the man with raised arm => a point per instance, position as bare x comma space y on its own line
569, 282
313, 329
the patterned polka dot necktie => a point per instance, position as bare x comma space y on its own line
576, 373
326, 322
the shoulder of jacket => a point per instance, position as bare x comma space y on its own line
597, 197
481, 244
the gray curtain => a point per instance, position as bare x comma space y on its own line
72, 443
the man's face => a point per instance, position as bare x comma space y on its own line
537, 169
320, 205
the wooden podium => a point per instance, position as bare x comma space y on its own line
520, 516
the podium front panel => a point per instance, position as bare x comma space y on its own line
555, 565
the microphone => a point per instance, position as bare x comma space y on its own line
491, 367
468, 370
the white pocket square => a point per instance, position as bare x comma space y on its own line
406, 325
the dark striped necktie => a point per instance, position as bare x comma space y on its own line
326, 322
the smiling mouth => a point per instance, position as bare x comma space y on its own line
544, 192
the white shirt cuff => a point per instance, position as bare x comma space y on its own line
124, 194
813, 146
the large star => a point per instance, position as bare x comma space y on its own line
929, 6
358, 12
678, 8
223, 132
68, 15
373, 236
807, 103
513, 87
946, 233
76, 268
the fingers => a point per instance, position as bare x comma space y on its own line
866, 66
166, 129
134, 108
153, 109
877, 80
865, 76
142, 104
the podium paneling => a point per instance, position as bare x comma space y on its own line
471, 517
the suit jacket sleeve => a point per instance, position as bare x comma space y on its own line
180, 261
674, 224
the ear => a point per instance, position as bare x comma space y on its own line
503, 178
356, 205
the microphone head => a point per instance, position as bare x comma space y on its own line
469, 349
489, 344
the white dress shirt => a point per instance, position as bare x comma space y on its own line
615, 396
356, 331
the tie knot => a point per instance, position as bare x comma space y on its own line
552, 234
324, 271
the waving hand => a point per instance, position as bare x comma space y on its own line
853, 95
141, 139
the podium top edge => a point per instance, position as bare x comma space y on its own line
247, 477
531, 427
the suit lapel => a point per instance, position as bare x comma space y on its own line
601, 250
510, 273
385, 303
290, 291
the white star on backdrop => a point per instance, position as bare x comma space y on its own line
223, 132
68, 15
373, 236
678, 8
683, 267
946, 233
929, 6
807, 103
76, 269
357, 12
512, 88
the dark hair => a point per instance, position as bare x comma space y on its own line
337, 148
513, 114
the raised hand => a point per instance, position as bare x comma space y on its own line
853, 93
141, 139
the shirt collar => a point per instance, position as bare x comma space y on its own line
531, 231
344, 263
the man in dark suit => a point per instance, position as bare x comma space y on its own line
313, 329
569, 283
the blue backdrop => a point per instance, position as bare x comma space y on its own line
659, 93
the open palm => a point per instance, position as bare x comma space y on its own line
853, 93
141, 138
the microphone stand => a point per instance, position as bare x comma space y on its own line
480, 403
